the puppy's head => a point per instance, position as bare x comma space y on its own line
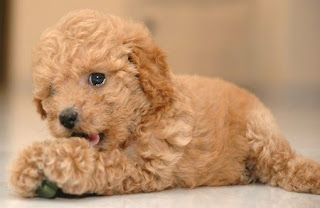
96, 76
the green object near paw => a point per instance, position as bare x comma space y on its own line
47, 189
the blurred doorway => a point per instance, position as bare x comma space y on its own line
3, 45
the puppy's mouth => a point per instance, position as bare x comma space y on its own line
94, 139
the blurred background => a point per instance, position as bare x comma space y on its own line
270, 47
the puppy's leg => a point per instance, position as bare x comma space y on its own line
64, 161
71, 163
123, 176
78, 168
275, 162
26, 171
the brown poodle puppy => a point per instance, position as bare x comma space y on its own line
125, 124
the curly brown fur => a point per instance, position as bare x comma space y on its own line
161, 131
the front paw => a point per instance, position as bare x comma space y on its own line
70, 163
26, 171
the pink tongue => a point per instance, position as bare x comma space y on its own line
94, 139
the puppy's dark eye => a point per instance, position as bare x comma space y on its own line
97, 79
52, 91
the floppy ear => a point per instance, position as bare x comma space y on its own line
154, 74
40, 109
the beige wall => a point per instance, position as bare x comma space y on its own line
251, 42
304, 43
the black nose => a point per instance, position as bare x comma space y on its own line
68, 118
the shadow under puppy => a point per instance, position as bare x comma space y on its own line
125, 124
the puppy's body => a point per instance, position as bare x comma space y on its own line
219, 149
146, 129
